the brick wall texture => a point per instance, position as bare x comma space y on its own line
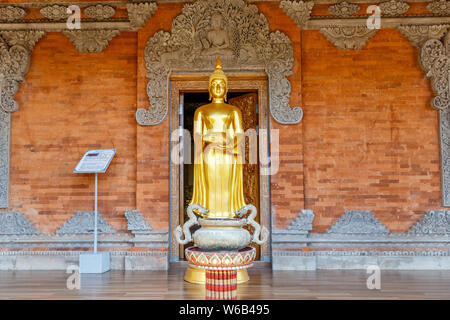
368, 140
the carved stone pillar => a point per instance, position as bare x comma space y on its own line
15, 52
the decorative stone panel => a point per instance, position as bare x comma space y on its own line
14, 223
348, 37
358, 222
15, 52
249, 46
343, 9
303, 223
90, 40
433, 223
439, 7
55, 12
100, 12
12, 13
139, 13
136, 223
393, 8
298, 11
418, 34
83, 223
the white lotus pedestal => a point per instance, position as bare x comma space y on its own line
221, 269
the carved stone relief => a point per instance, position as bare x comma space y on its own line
55, 12
100, 12
358, 222
393, 8
433, 223
418, 34
90, 40
232, 29
344, 9
348, 37
5, 120
83, 223
139, 13
11, 13
136, 223
15, 51
303, 223
298, 11
14, 223
439, 7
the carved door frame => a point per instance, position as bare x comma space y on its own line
185, 82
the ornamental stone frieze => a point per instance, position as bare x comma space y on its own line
12, 13
358, 222
418, 34
139, 13
298, 11
433, 223
90, 40
191, 46
14, 223
83, 223
55, 12
100, 12
136, 223
439, 7
393, 8
348, 37
15, 52
344, 9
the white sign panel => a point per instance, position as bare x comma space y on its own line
95, 161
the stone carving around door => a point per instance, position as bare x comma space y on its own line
237, 32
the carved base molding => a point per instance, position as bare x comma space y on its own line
61, 260
360, 260
155, 239
360, 228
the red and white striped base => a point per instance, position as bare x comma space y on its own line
221, 284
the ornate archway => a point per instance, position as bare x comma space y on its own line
237, 32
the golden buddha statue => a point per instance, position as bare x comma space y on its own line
218, 193
218, 170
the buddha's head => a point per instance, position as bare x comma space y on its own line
216, 21
218, 83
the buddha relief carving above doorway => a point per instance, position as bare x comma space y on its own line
237, 32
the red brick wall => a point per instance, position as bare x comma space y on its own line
370, 135
287, 185
152, 141
71, 102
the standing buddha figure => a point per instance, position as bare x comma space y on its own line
218, 165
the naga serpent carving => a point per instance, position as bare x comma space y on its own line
250, 220
191, 222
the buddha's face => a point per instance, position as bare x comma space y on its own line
218, 88
216, 21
